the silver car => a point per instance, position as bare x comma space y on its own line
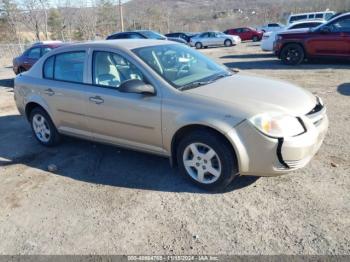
168, 99
207, 39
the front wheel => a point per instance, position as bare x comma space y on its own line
228, 43
207, 160
255, 38
292, 54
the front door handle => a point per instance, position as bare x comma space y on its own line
96, 99
49, 92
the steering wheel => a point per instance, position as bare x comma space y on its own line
183, 68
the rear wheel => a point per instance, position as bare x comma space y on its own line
207, 160
292, 54
228, 43
198, 45
43, 128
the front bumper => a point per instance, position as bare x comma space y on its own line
260, 155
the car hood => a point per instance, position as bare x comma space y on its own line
255, 95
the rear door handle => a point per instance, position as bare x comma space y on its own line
96, 99
49, 92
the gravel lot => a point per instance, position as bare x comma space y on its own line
107, 200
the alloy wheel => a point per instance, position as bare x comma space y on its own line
202, 163
41, 128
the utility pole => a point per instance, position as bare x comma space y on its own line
121, 15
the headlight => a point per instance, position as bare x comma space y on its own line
275, 125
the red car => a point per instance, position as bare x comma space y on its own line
25, 61
331, 39
245, 33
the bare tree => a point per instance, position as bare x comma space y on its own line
12, 18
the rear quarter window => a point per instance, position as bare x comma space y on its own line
48, 67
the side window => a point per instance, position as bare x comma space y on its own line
328, 16
319, 16
204, 35
111, 70
134, 36
45, 50
48, 67
70, 66
312, 16
34, 53
341, 25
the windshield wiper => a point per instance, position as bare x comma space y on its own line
202, 83
194, 85
218, 76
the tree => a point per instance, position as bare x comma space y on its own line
106, 17
55, 24
11, 17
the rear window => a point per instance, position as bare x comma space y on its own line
65, 67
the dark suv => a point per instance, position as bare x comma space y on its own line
327, 40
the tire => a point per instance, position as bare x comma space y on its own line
255, 38
198, 45
43, 128
292, 54
228, 43
199, 165
20, 70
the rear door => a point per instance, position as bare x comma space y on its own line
205, 39
246, 34
333, 42
63, 76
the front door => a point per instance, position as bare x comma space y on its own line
128, 119
333, 42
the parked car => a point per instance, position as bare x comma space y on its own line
144, 34
270, 27
207, 39
326, 15
29, 57
182, 35
331, 39
165, 98
246, 33
270, 37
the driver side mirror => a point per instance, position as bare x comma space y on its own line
136, 86
325, 29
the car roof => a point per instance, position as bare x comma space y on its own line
128, 44
310, 13
308, 21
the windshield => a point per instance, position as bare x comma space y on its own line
153, 35
180, 65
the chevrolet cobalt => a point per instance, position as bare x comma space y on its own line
168, 99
